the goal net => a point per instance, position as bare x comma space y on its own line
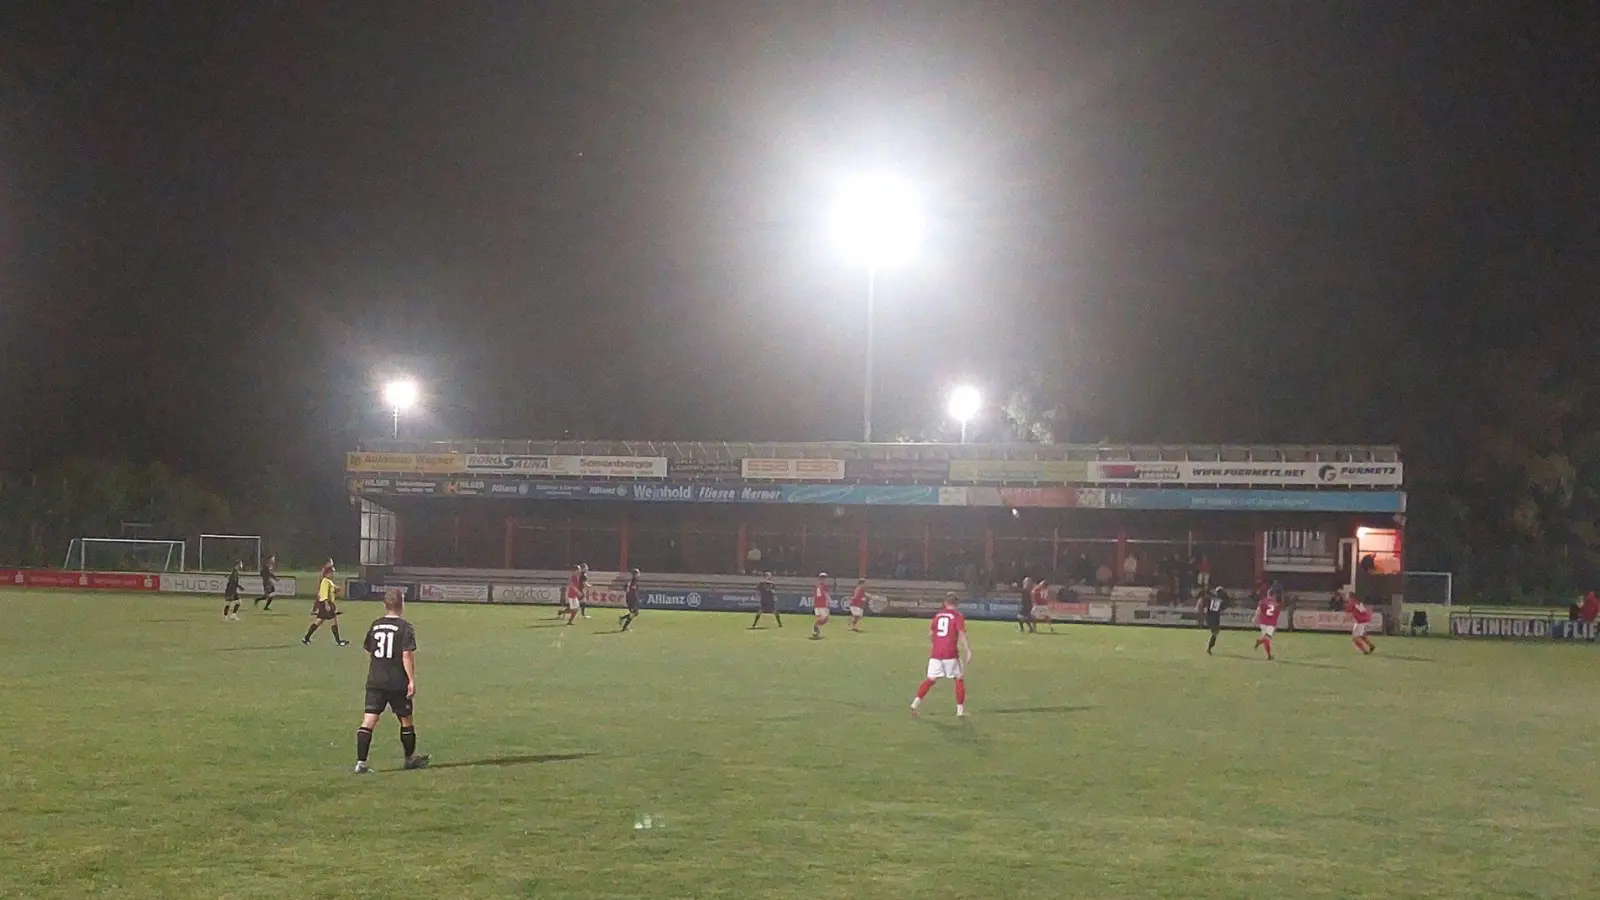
218, 552
93, 554
1430, 587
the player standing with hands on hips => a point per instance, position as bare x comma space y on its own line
391, 681
819, 606
950, 656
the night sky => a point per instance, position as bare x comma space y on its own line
219, 229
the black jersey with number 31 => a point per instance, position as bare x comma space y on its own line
387, 639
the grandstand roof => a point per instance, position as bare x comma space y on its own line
736, 450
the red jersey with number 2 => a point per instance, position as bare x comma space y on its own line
947, 628
859, 598
819, 600
1267, 612
1358, 611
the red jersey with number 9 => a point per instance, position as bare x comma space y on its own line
1267, 612
947, 628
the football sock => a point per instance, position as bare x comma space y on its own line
757, 621
1267, 643
961, 692
923, 689
310, 631
336, 631
408, 740
777, 618
363, 743
1211, 644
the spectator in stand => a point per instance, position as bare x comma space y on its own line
1086, 570
1105, 579
752, 559
1130, 569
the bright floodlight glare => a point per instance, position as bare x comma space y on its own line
964, 404
879, 220
400, 394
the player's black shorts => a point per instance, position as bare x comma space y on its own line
769, 608
633, 608
1214, 621
378, 699
324, 610
230, 596
1025, 612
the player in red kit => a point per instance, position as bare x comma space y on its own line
858, 605
819, 606
1362, 617
950, 655
1267, 612
1041, 605
574, 594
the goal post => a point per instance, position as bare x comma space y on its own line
99, 554
221, 550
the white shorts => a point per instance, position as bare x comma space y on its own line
1268, 630
1042, 613
857, 611
572, 603
1359, 629
944, 668
822, 615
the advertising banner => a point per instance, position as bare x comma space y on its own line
1078, 611
403, 463
1328, 620
863, 494
542, 594
932, 470
1019, 471
1145, 614
397, 487
1052, 497
706, 493
83, 581
1491, 626
453, 593
793, 469
1300, 550
1304, 474
1257, 501
356, 589
566, 466
705, 469
207, 583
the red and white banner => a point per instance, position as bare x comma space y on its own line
1328, 620
1078, 612
453, 593
792, 469
83, 581
544, 594
1329, 474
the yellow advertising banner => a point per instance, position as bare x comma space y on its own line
405, 463
1016, 471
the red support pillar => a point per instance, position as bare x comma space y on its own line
624, 540
742, 548
863, 551
455, 537
399, 542
1055, 549
988, 548
927, 549
803, 559
509, 556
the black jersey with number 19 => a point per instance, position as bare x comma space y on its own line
387, 639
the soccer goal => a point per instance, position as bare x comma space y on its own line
95, 554
1430, 587
221, 550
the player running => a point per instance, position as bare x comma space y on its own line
269, 583
1041, 606
819, 606
575, 594
391, 681
631, 596
1267, 612
1025, 621
230, 594
949, 657
858, 605
1212, 603
325, 608
767, 591
1362, 616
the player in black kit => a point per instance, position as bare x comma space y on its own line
391, 681
631, 595
769, 600
230, 594
269, 583
1212, 603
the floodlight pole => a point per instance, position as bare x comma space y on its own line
963, 431
397, 423
866, 394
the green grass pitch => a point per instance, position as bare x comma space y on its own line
154, 751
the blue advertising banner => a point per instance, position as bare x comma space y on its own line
863, 494
1258, 501
355, 589
1491, 626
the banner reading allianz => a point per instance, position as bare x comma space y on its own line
507, 464
1328, 474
